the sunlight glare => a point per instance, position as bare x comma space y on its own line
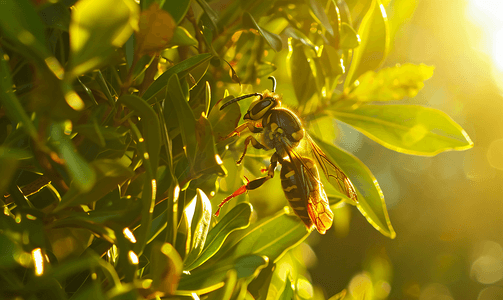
497, 53
39, 261
486, 14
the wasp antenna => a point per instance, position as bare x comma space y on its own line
240, 98
273, 83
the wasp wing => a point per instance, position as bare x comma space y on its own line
308, 181
334, 174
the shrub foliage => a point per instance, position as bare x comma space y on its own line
113, 152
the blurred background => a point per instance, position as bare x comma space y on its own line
447, 210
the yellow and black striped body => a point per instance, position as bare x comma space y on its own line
282, 130
305, 194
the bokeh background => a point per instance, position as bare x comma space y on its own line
447, 210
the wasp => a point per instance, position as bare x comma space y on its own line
280, 129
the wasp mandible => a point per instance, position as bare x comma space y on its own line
280, 129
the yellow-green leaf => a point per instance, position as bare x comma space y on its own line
392, 83
374, 38
410, 129
96, 29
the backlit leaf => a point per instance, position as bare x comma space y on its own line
374, 38
370, 197
393, 83
409, 129
96, 29
272, 39
237, 218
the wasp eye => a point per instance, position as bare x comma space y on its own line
261, 106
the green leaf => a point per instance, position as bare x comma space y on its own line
331, 61
166, 268
200, 224
288, 292
178, 9
151, 128
210, 13
300, 72
410, 129
392, 83
10, 102
320, 14
375, 40
270, 237
207, 160
149, 191
209, 279
226, 291
187, 122
183, 67
20, 23
83, 223
300, 36
56, 15
224, 121
9, 160
97, 28
182, 37
272, 39
349, 37
82, 175
370, 197
109, 173
237, 218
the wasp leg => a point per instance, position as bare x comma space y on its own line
251, 185
237, 131
256, 144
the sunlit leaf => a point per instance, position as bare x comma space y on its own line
185, 65
375, 40
409, 129
182, 37
200, 224
370, 197
392, 83
209, 279
96, 29
272, 39
349, 38
300, 36
319, 12
270, 237
288, 292
157, 27
237, 218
